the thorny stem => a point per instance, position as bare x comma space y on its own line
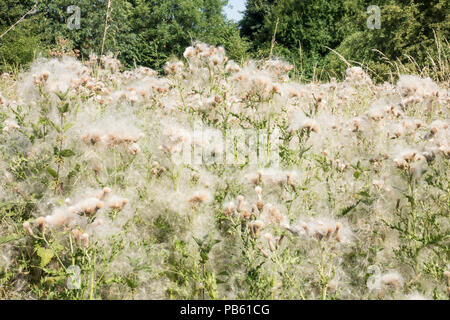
106, 27
61, 140
115, 165
71, 249
91, 296
31, 11
54, 251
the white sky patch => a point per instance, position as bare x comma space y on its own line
234, 10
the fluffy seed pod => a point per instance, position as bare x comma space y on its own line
27, 226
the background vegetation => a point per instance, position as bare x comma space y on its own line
148, 32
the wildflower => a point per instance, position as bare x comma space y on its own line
274, 215
415, 296
232, 67
27, 226
240, 200
378, 184
98, 222
97, 168
447, 276
90, 205
199, 197
92, 138
291, 179
134, 149
229, 209
387, 280
357, 76
173, 67
255, 227
310, 125
357, 125
437, 126
269, 239
341, 166
264, 253
117, 203
45, 75
189, 52
10, 125
246, 214
40, 223
77, 236
392, 279
400, 163
85, 240
414, 86
60, 217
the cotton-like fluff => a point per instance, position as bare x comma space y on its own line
199, 197
415, 296
272, 215
272, 177
232, 66
389, 280
55, 75
410, 85
110, 132
357, 76
300, 121
323, 229
174, 67
116, 202
88, 206
62, 217
10, 125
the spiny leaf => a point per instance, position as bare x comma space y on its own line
349, 208
46, 256
67, 153
52, 172
9, 238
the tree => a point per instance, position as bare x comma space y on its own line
142, 32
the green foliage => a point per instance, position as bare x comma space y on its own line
408, 35
412, 36
141, 32
20, 45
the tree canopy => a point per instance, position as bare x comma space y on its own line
312, 34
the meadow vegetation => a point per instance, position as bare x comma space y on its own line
350, 201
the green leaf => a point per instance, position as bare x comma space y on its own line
54, 125
53, 173
9, 238
364, 194
62, 95
46, 256
67, 153
198, 241
73, 172
68, 125
64, 108
349, 208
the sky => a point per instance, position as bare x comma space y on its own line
233, 8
